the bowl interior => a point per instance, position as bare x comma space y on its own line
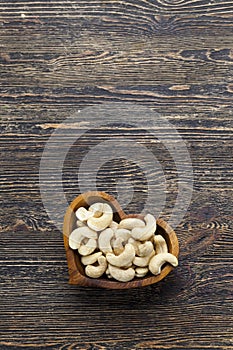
76, 269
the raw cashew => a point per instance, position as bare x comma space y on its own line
145, 249
141, 271
104, 240
83, 214
96, 209
160, 244
76, 236
143, 234
122, 232
143, 261
135, 244
88, 248
130, 223
97, 271
114, 225
90, 259
128, 265
123, 259
121, 274
117, 245
159, 260
101, 222
80, 223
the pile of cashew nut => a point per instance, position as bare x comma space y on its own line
123, 250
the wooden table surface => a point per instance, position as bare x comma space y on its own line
174, 57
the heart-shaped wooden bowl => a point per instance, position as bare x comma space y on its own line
76, 269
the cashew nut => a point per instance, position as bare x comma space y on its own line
159, 260
101, 222
143, 261
143, 234
117, 245
83, 214
123, 259
97, 271
104, 240
130, 223
145, 249
135, 244
141, 271
90, 259
121, 274
113, 225
80, 223
88, 248
96, 209
76, 236
122, 232
160, 244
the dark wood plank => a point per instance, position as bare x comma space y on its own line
59, 57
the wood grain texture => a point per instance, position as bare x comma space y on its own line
57, 57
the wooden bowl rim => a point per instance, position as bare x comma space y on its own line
77, 278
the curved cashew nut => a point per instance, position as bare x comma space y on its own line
121, 274
123, 233
76, 236
96, 209
104, 240
88, 248
97, 271
141, 271
143, 261
135, 244
114, 225
145, 249
80, 223
125, 258
143, 234
121, 237
130, 223
160, 244
83, 214
100, 223
90, 259
159, 260
117, 245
